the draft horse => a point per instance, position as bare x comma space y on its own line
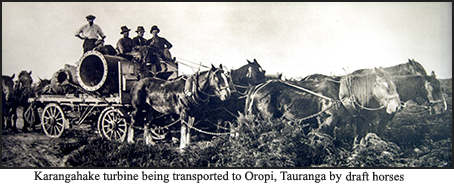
184, 96
423, 90
317, 104
242, 79
21, 92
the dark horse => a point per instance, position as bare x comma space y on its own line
317, 103
22, 91
184, 97
7, 101
243, 79
423, 90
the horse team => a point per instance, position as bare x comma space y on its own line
366, 99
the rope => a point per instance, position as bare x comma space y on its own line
200, 64
205, 132
318, 113
306, 90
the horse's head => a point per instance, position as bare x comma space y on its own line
415, 68
216, 83
435, 94
25, 78
7, 86
41, 86
24, 84
384, 90
249, 74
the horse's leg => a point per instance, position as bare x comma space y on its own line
130, 132
184, 139
14, 117
146, 133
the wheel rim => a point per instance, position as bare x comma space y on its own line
53, 120
113, 125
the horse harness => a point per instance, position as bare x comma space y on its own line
350, 102
192, 90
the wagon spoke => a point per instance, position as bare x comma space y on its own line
117, 135
47, 126
52, 130
52, 112
111, 133
109, 119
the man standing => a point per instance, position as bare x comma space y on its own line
139, 40
89, 33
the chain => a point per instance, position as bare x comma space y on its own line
205, 132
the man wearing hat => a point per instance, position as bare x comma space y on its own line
90, 33
159, 43
139, 40
124, 44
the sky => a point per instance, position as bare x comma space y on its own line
296, 39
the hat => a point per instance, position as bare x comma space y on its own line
124, 29
90, 17
140, 28
154, 27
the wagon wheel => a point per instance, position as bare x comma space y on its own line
53, 120
113, 125
100, 118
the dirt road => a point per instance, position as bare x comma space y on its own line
35, 149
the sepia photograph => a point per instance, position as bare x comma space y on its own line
226, 85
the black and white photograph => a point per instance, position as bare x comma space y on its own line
226, 85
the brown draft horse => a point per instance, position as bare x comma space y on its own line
424, 91
184, 97
21, 92
243, 79
371, 96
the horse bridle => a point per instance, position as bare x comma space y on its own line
204, 87
193, 94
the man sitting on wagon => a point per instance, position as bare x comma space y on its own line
125, 44
139, 40
160, 44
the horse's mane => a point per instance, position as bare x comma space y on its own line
360, 86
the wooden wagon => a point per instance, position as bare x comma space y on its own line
103, 83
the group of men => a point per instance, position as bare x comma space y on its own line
91, 33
